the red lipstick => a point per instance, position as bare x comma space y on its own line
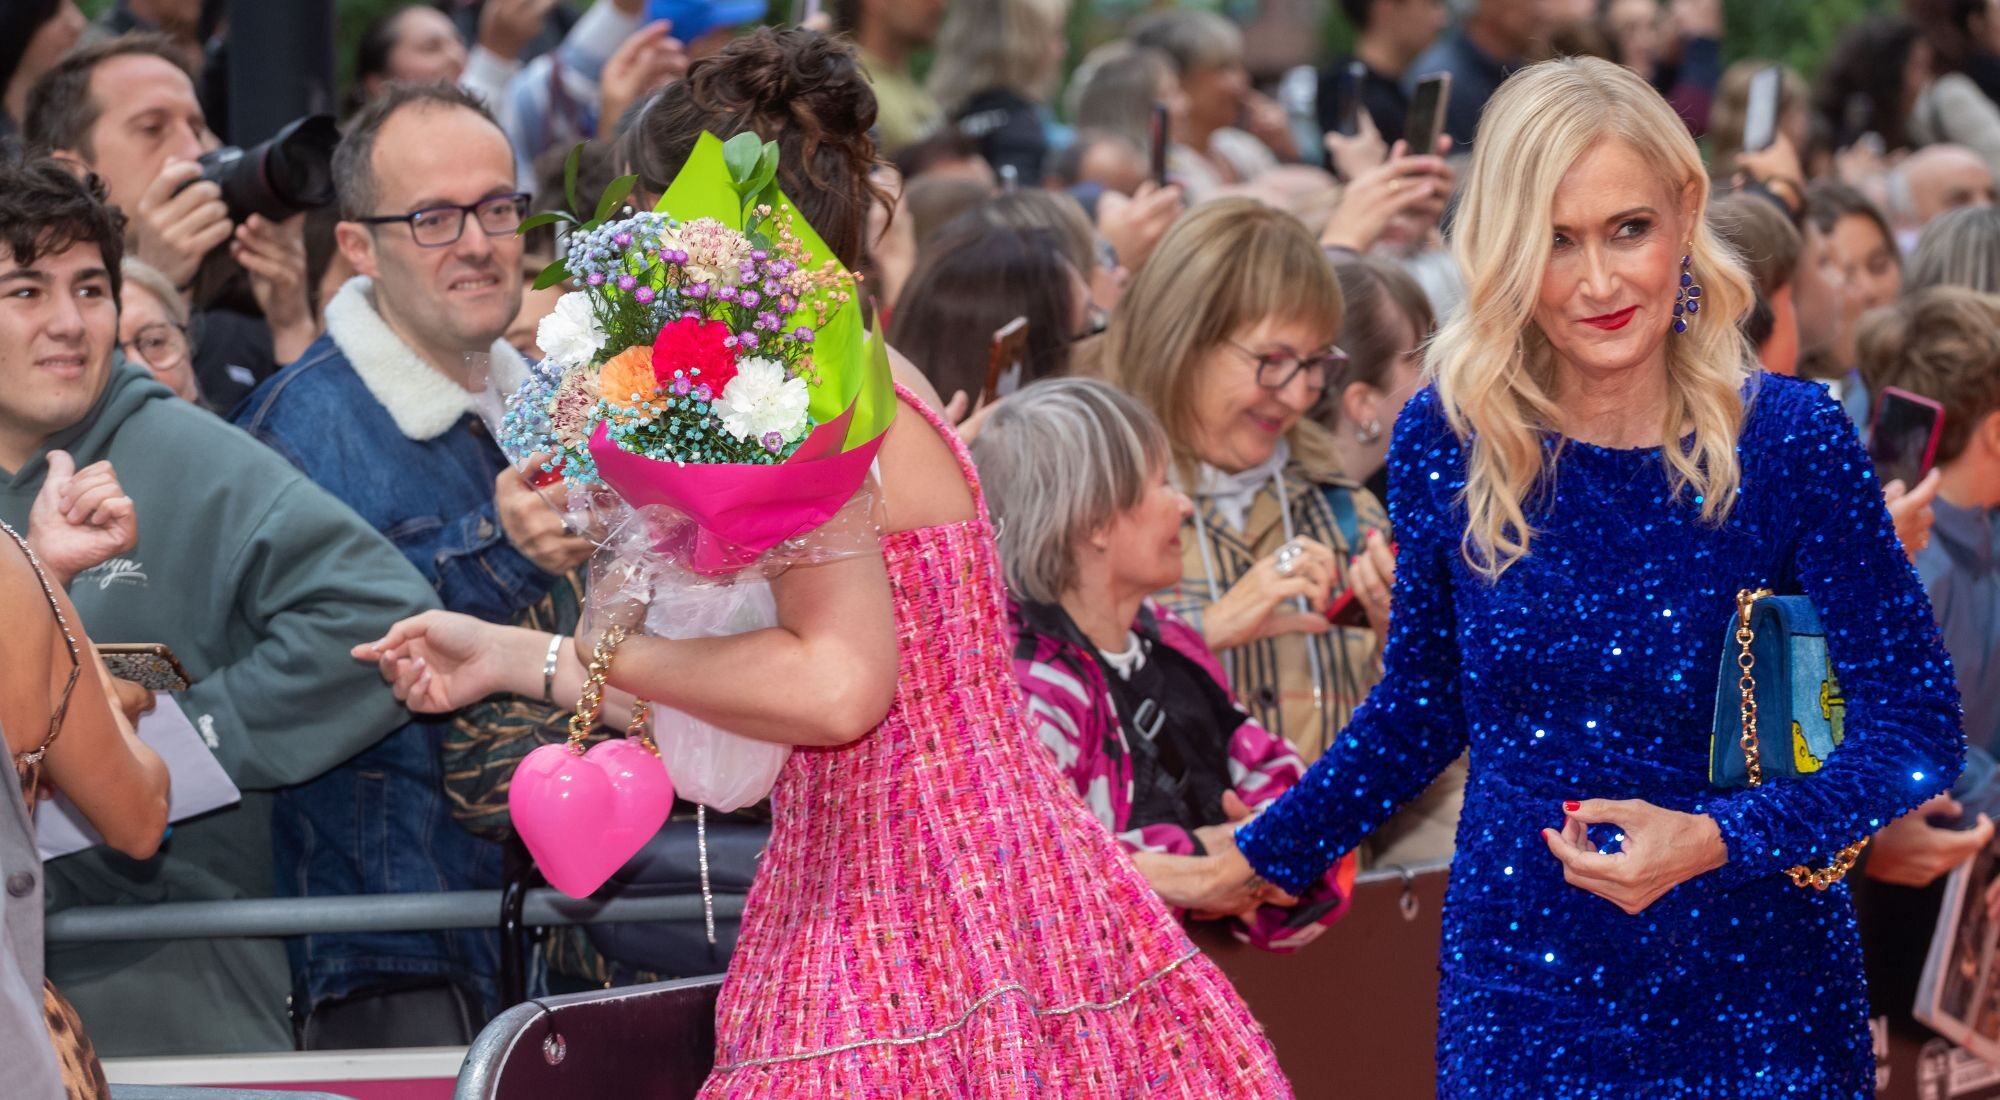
1612, 322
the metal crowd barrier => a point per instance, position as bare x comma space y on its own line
271, 917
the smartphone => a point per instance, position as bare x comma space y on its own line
1760, 114
1427, 114
1160, 133
1007, 361
1346, 610
1347, 99
150, 665
1904, 437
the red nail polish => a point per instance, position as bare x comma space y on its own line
1572, 807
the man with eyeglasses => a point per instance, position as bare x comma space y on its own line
391, 411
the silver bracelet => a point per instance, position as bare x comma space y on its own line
549, 669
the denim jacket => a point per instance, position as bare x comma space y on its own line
399, 443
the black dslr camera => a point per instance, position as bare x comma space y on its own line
289, 173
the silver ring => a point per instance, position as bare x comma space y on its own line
1288, 558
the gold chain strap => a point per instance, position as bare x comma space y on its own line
1746, 662
592, 701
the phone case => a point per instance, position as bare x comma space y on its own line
148, 670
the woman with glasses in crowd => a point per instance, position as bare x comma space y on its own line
1227, 335
153, 329
1595, 474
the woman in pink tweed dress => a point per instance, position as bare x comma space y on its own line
938, 914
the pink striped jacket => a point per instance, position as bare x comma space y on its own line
1070, 702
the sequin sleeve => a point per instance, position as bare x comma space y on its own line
1903, 741
1413, 723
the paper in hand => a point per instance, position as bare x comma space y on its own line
199, 783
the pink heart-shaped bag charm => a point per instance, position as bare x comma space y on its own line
584, 815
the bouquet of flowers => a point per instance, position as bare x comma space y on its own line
712, 391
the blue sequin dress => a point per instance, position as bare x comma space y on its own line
1589, 671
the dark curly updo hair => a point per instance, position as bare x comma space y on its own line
796, 87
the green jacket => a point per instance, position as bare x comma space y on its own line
260, 582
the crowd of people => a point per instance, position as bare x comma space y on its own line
1285, 583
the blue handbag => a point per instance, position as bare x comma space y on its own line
1776, 673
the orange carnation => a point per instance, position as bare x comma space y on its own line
627, 374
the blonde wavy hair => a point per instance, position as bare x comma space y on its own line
1494, 369
1224, 266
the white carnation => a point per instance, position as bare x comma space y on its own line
761, 400
569, 335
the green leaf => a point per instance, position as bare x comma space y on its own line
742, 154
615, 194
551, 275
569, 176
703, 188
546, 217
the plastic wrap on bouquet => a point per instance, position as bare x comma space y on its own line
641, 574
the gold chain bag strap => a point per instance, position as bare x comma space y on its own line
585, 720
1746, 662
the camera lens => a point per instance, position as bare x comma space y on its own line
291, 172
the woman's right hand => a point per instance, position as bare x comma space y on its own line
440, 661
1403, 185
1258, 606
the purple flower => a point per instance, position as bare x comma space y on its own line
788, 304
596, 278
698, 290
770, 286
682, 385
768, 322
644, 295
804, 335
726, 294
703, 394
622, 240
759, 255
773, 442
749, 298
627, 282
747, 339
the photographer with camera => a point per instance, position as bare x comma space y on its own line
125, 109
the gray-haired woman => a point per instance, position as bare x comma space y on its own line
1124, 693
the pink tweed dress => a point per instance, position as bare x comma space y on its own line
939, 915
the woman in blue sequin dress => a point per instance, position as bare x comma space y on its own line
1616, 927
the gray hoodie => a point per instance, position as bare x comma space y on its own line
260, 582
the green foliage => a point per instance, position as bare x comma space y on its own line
1800, 33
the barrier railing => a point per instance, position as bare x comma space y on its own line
265, 917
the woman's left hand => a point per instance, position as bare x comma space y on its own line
1372, 576
1661, 849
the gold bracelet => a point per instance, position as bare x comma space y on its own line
591, 704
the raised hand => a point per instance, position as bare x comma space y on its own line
81, 518
178, 220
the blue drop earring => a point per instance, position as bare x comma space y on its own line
1688, 301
